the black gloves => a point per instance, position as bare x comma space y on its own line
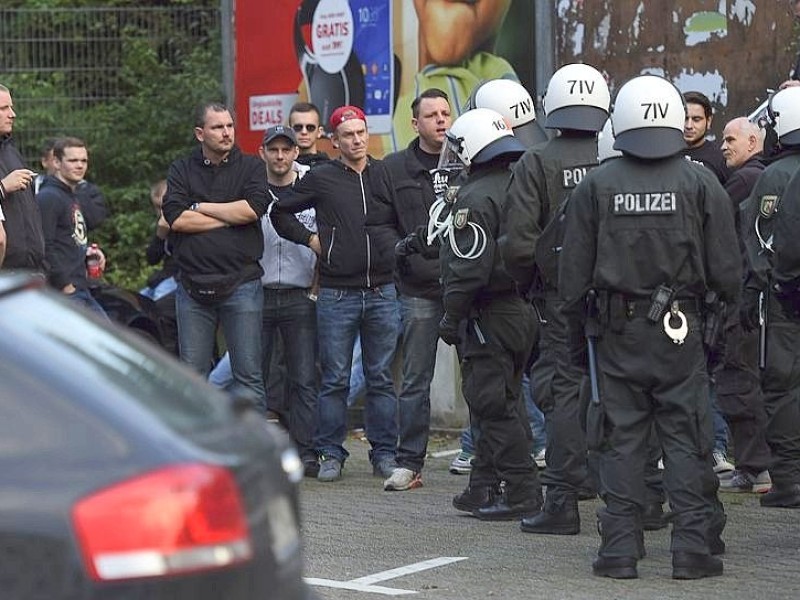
748, 310
449, 330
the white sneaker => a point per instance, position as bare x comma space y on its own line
461, 464
402, 479
722, 466
539, 459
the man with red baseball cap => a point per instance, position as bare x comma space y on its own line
355, 204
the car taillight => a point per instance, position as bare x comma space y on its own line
181, 518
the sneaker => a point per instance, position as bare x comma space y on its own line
539, 459
330, 469
462, 464
385, 467
742, 481
722, 466
273, 417
402, 479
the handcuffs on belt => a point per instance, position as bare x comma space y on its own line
676, 334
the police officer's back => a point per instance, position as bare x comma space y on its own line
651, 233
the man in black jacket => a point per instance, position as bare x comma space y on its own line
215, 198
23, 225
737, 380
418, 284
354, 199
65, 232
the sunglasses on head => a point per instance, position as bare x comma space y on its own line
308, 126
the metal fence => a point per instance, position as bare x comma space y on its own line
58, 62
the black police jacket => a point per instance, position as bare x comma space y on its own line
632, 225
762, 210
541, 180
414, 196
786, 243
356, 219
477, 211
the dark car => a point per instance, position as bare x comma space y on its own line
125, 475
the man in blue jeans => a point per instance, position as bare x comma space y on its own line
417, 277
355, 207
215, 198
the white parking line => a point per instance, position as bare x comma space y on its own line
365, 584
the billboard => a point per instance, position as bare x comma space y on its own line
376, 54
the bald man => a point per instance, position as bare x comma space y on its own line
737, 377
742, 145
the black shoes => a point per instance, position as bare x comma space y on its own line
687, 565
653, 517
782, 496
562, 519
502, 510
475, 497
615, 567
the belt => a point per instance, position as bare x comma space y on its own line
638, 309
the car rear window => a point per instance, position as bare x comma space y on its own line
42, 332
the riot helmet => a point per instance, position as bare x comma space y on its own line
648, 117
605, 143
513, 101
577, 98
783, 113
478, 136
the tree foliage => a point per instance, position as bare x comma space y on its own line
134, 136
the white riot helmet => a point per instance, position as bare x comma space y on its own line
478, 136
513, 101
648, 117
605, 143
577, 98
784, 111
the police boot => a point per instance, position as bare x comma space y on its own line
511, 505
558, 517
782, 496
653, 517
688, 565
474, 497
619, 548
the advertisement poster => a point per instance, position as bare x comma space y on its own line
376, 54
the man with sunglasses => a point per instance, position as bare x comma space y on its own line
304, 121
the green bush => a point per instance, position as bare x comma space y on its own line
161, 71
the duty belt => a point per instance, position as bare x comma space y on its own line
638, 308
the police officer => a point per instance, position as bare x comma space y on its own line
773, 277
650, 233
491, 324
576, 104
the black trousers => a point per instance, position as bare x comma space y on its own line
780, 382
557, 393
649, 382
739, 397
492, 363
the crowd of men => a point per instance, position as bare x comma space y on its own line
645, 277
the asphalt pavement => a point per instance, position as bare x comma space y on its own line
362, 542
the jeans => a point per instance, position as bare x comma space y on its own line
240, 317
535, 416
357, 384
341, 315
290, 313
720, 425
420, 321
84, 298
